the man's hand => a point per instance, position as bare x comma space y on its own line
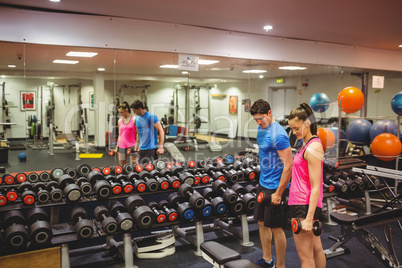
160, 151
276, 199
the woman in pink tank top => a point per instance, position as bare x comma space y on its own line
128, 141
306, 192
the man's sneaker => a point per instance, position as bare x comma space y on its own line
265, 264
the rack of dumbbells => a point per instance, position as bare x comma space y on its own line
65, 206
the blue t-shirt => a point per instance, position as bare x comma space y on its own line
148, 134
270, 140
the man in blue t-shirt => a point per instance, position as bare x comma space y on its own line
276, 162
149, 128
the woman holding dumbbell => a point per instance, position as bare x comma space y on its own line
128, 141
306, 192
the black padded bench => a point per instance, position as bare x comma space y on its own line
353, 226
221, 256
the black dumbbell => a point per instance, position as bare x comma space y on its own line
70, 189
297, 227
231, 175
83, 170
71, 171
151, 183
101, 187
339, 184
220, 187
56, 194
28, 195
105, 170
330, 164
127, 168
8, 179
40, 231
126, 185
184, 176
163, 182
184, 210
141, 213
160, 214
139, 185
219, 206
149, 167
124, 220
248, 198
85, 186
247, 173
84, 227
12, 193
354, 179
352, 185
174, 181
170, 212
109, 224
42, 193
203, 177
56, 173
20, 177
116, 186
33, 177
216, 175
44, 176
159, 164
195, 199
264, 198
3, 198
117, 169
15, 233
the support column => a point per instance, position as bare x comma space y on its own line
100, 111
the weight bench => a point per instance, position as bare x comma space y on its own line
220, 256
353, 226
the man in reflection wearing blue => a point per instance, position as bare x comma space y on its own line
276, 162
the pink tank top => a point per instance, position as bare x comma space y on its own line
127, 134
300, 187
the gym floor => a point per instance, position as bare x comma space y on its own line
184, 256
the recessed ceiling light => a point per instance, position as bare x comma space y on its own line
169, 66
66, 61
254, 71
292, 68
400, 45
56, 1
3, 76
12, 66
261, 76
268, 28
184, 72
101, 69
207, 62
81, 54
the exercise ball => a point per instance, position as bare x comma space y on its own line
344, 142
358, 132
396, 103
319, 102
386, 147
383, 126
22, 157
352, 99
327, 138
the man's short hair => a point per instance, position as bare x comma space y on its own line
260, 107
137, 104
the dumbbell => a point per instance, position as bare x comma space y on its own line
33, 177
44, 176
117, 169
83, 170
330, 164
173, 180
297, 227
127, 168
116, 186
124, 220
109, 224
160, 215
203, 177
206, 210
85, 186
195, 199
159, 164
352, 185
149, 167
358, 181
202, 163
12, 193
56, 194
220, 187
15, 233
21, 177
248, 198
339, 184
105, 170
264, 198
28, 195
125, 184
3, 198
184, 210
42, 193
216, 175
151, 183
71, 171
170, 212
230, 174
40, 231
84, 227
143, 216
101, 187
163, 182
70, 189
218, 205
56, 173
139, 184
237, 207
184, 176
248, 173
8, 179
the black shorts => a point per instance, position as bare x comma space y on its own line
124, 151
300, 211
147, 156
272, 216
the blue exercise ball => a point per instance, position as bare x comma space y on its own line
396, 103
319, 102
358, 132
22, 157
344, 142
383, 126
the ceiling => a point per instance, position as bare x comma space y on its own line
372, 24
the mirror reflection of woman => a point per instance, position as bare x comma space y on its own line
128, 141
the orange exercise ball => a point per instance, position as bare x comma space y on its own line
352, 99
386, 147
327, 138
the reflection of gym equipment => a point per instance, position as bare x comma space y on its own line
5, 120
